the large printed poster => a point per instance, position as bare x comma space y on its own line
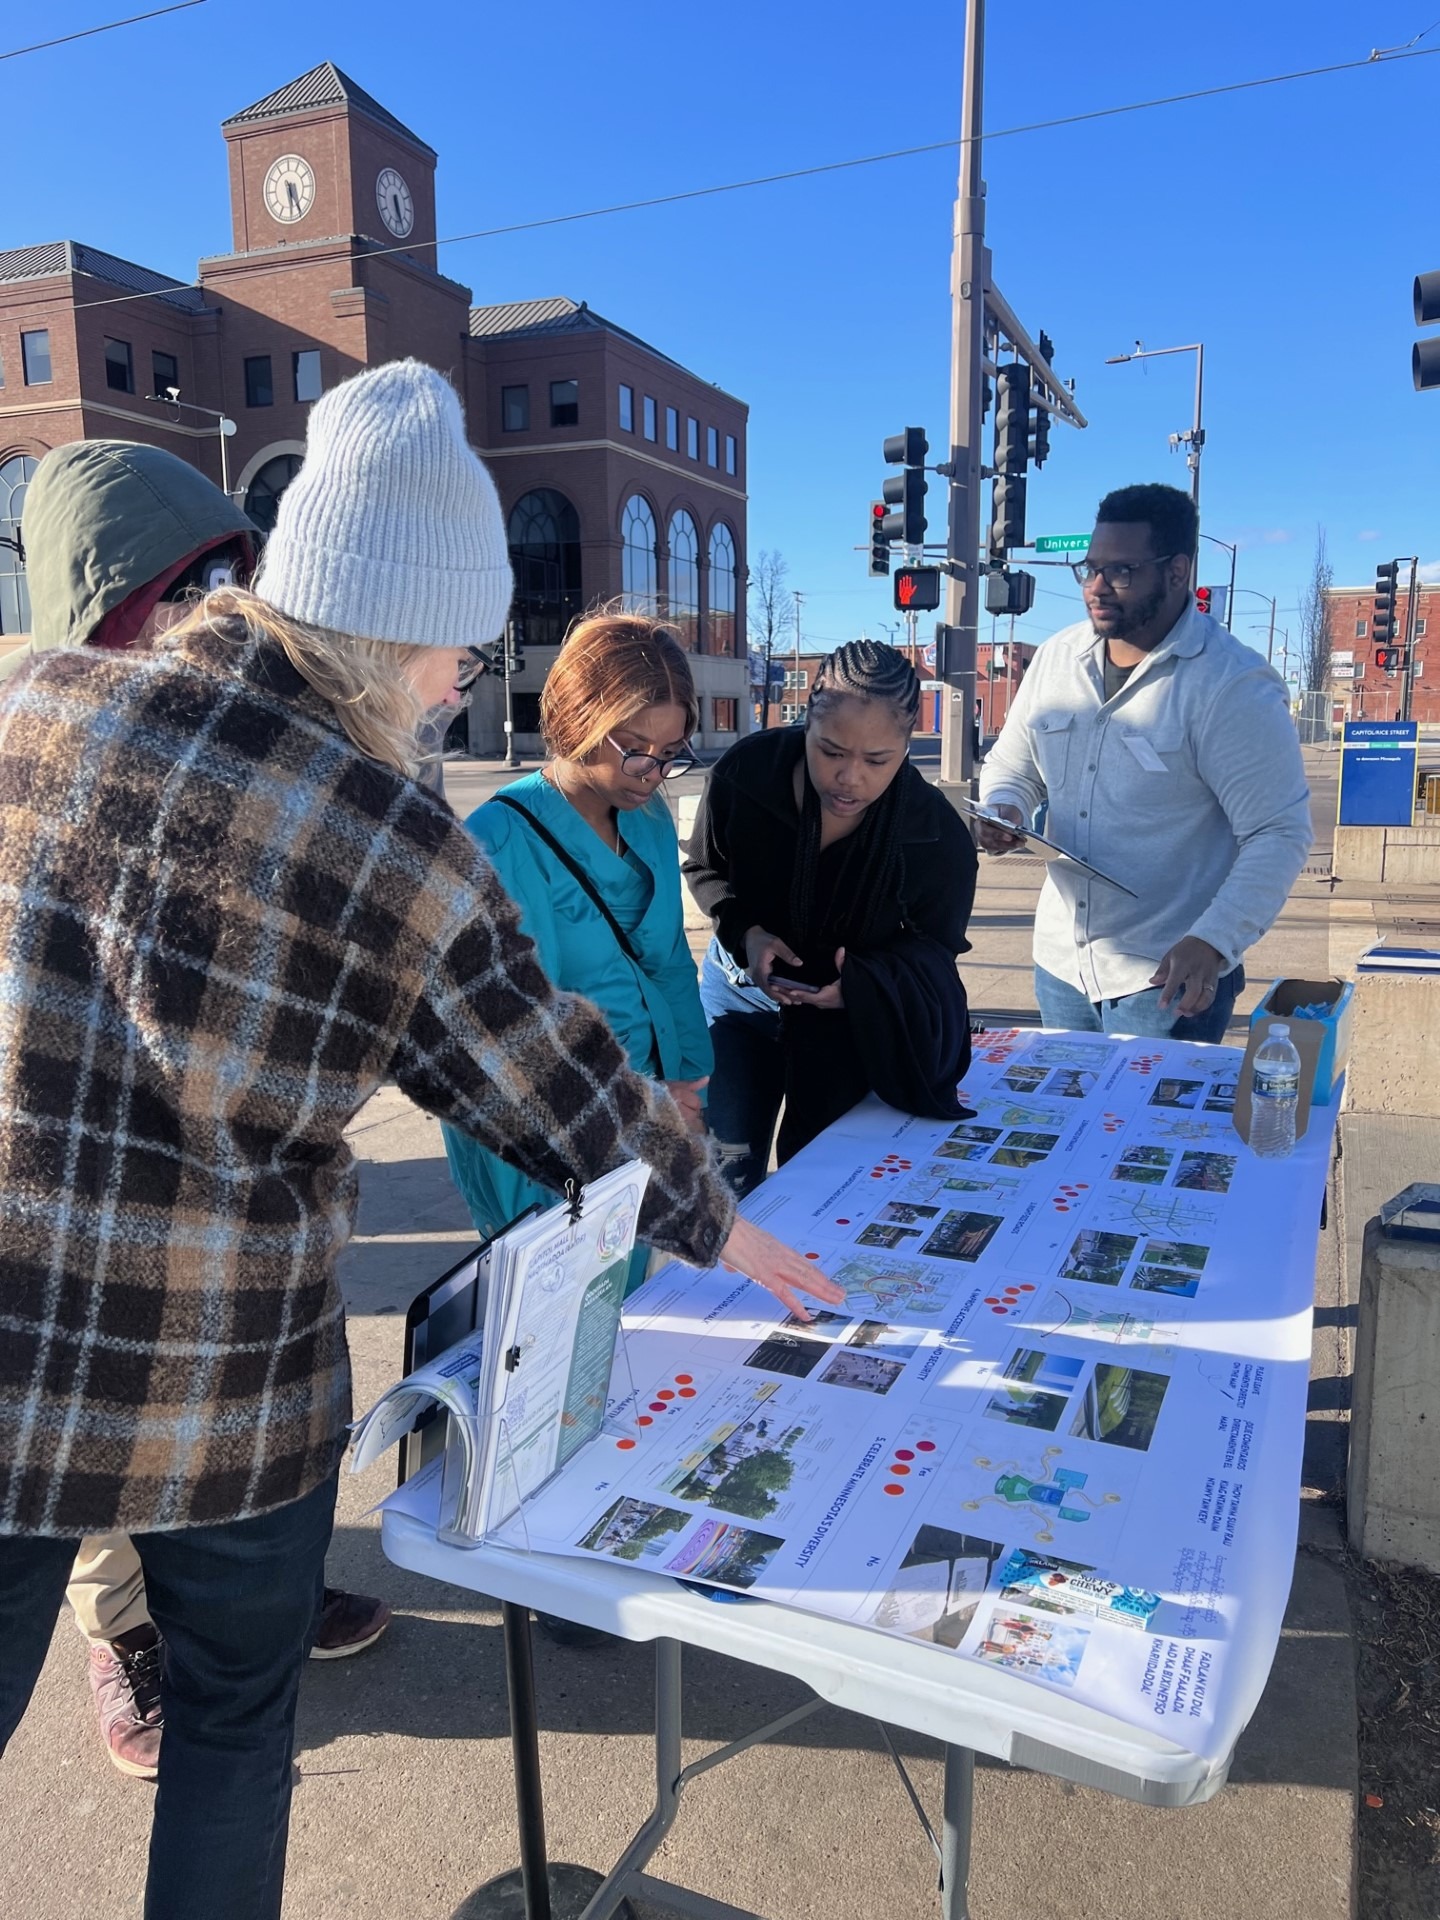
1055, 1429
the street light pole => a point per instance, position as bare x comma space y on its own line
1270, 644
799, 600
224, 427
1196, 435
1230, 599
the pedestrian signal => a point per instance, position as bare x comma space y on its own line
917, 589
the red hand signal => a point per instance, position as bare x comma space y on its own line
905, 589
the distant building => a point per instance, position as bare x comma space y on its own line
1359, 689
620, 472
999, 668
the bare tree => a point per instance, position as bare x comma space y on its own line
771, 614
1314, 623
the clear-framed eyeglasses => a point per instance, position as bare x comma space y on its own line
639, 766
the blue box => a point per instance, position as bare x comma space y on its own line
1280, 1004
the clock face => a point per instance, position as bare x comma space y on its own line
396, 203
290, 189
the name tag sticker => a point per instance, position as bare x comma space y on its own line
1145, 753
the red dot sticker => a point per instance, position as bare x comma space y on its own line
924, 1446
991, 1301
644, 1420
687, 1393
657, 1406
684, 1379
892, 1488
812, 1256
895, 1467
665, 1393
842, 1223
624, 1445
1026, 1287
1062, 1206
876, 1175
903, 1453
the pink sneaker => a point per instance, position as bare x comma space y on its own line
125, 1680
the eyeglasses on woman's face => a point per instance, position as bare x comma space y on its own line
640, 766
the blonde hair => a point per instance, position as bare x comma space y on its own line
366, 681
612, 665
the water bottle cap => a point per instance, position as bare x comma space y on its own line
1279, 1031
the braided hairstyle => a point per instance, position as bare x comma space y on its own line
870, 872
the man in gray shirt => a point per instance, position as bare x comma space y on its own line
1167, 755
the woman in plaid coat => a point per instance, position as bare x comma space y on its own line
227, 912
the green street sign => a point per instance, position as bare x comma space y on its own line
1062, 543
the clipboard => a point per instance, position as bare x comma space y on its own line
1050, 851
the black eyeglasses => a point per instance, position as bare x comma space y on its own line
638, 766
1115, 573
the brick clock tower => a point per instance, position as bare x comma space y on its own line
332, 203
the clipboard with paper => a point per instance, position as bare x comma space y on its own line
526, 1389
1049, 851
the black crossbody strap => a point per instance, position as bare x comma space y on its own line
577, 873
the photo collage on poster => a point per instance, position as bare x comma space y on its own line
1020, 1363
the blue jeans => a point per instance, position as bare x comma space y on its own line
237, 1605
747, 1083
1062, 1005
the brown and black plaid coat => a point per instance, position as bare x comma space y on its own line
220, 927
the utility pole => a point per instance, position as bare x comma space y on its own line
1407, 672
969, 275
799, 600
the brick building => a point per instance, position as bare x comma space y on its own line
1359, 689
620, 472
1000, 666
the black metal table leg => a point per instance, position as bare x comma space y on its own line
955, 1842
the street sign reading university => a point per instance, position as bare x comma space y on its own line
1062, 543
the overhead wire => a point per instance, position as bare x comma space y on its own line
1387, 57
110, 26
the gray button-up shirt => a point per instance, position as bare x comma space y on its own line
1188, 786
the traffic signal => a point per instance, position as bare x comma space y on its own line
1425, 354
917, 589
490, 658
879, 544
1204, 597
1012, 419
1007, 515
1007, 592
1382, 620
1040, 416
1387, 659
906, 491
514, 648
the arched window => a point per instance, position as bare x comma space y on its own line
637, 560
721, 635
684, 577
544, 535
15, 476
262, 496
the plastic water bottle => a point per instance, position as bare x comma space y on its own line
1273, 1095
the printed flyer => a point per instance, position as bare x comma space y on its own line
1055, 1428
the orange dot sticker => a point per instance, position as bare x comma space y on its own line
624, 1445
687, 1393
894, 1489
665, 1393
644, 1420
684, 1379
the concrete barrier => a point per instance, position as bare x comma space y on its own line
1393, 1479
1389, 856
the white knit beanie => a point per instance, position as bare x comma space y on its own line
392, 528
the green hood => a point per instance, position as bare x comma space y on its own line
104, 519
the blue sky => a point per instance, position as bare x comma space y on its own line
1281, 226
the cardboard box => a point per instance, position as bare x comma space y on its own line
1333, 1031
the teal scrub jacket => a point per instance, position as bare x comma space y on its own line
653, 1009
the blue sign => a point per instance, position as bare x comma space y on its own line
1377, 773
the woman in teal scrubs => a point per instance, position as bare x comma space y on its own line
617, 713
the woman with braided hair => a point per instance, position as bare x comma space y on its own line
839, 883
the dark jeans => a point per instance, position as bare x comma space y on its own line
800, 1060
237, 1605
1062, 1005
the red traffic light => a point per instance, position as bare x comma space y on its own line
877, 509
1202, 598
917, 589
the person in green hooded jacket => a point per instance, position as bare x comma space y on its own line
119, 540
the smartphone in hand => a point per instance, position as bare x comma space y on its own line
781, 977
